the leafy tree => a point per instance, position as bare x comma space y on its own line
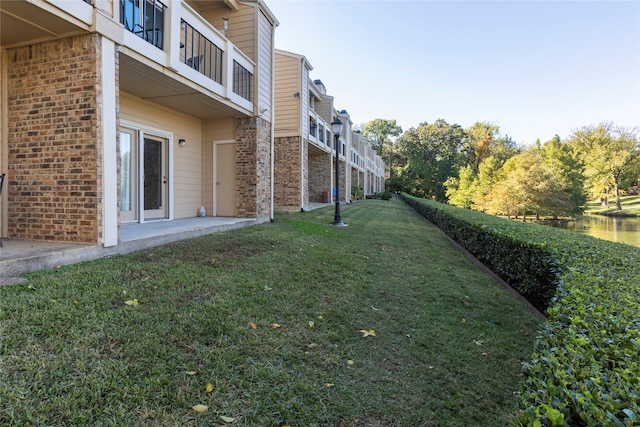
565, 162
431, 152
480, 139
460, 190
611, 157
379, 133
528, 185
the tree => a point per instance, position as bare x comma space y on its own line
565, 162
379, 133
611, 156
431, 152
480, 139
460, 190
528, 185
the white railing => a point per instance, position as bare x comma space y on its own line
174, 56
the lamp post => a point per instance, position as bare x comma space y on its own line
336, 127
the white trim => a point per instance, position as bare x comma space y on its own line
109, 145
143, 130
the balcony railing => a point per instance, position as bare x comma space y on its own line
200, 53
241, 81
145, 19
190, 46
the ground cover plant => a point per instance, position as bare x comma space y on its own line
381, 323
586, 367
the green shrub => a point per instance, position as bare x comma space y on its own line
585, 368
386, 195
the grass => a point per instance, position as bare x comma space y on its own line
630, 207
270, 316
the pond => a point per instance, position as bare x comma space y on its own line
616, 229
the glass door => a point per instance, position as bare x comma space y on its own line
155, 177
128, 175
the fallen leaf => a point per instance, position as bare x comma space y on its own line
132, 302
350, 362
463, 320
227, 419
319, 317
191, 372
267, 288
275, 325
75, 301
254, 326
311, 323
200, 408
368, 333
329, 385
209, 388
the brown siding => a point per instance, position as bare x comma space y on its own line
287, 106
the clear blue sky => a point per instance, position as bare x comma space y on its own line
534, 68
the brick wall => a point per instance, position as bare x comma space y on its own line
319, 176
287, 180
254, 168
54, 182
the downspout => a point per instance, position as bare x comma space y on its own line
273, 115
302, 138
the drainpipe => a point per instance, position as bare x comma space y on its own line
273, 115
302, 138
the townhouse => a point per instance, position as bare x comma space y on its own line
305, 160
130, 111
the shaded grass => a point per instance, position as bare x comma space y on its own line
447, 352
630, 207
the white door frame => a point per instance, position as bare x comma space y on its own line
143, 130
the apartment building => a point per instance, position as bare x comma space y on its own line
129, 111
305, 158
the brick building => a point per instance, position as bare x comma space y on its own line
115, 111
304, 161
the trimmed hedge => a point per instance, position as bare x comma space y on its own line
585, 368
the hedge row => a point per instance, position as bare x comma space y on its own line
585, 368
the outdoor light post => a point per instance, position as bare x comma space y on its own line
336, 126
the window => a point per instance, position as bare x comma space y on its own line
144, 18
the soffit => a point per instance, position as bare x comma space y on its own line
21, 22
166, 89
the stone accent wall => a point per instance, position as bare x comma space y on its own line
54, 175
319, 176
287, 180
254, 168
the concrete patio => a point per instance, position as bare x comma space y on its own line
22, 256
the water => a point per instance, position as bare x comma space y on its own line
622, 230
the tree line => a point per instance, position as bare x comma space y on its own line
478, 168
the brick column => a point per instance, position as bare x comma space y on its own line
54, 155
254, 168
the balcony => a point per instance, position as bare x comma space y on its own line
320, 132
145, 19
184, 42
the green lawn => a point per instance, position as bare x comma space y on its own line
630, 207
270, 316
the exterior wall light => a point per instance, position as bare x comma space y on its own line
182, 142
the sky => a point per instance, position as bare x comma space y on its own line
536, 69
